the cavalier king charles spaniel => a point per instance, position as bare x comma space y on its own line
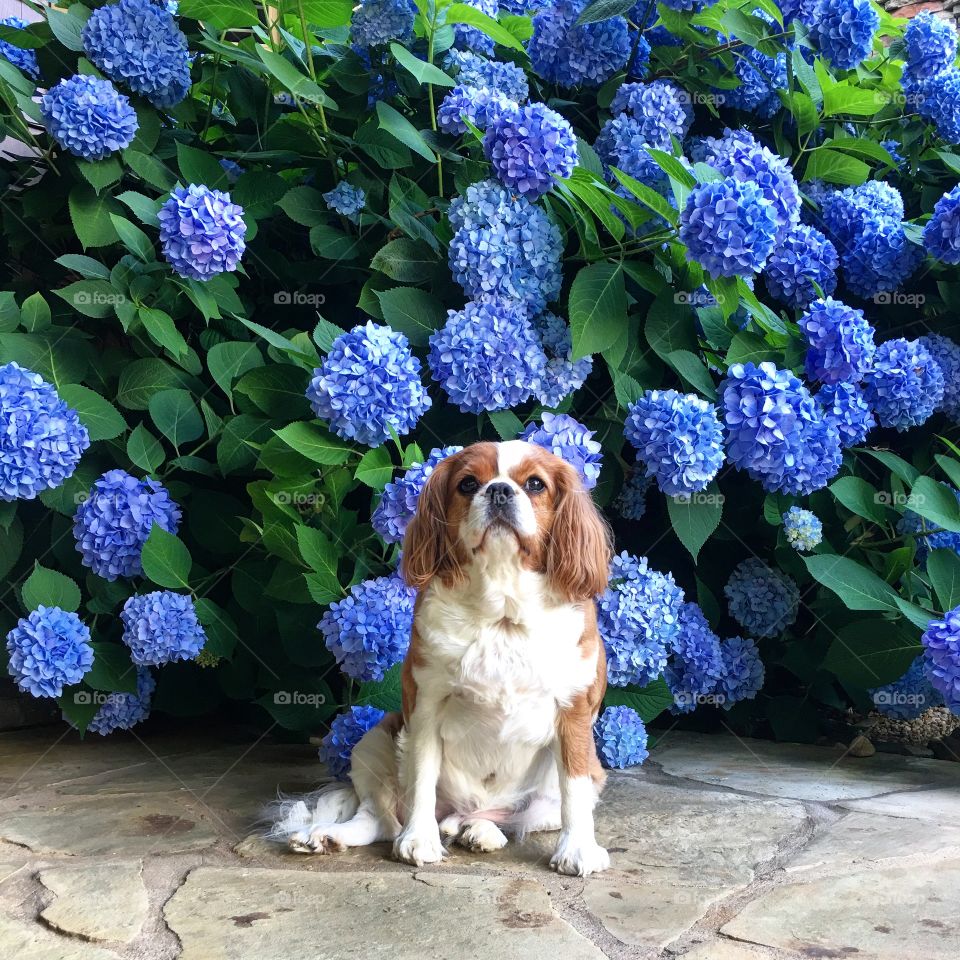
503, 679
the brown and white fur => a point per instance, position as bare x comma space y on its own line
503, 678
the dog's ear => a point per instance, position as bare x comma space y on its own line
579, 551
429, 545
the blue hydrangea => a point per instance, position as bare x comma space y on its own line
139, 45
369, 630
806, 257
941, 235
347, 200
905, 384
931, 44
480, 105
631, 502
570, 55
382, 85
113, 523
743, 671
161, 627
947, 355
803, 529
232, 169
122, 711
571, 441
621, 738
940, 103
694, 6
760, 77
487, 356
23, 60
41, 438
941, 653
638, 619
880, 258
49, 649
696, 664
893, 147
529, 147
472, 38
621, 144
398, 502
728, 227
201, 232
908, 697
933, 537
845, 211
639, 65
845, 406
504, 246
474, 71
843, 30
346, 732
679, 439
841, 342
88, 118
561, 375
368, 383
776, 431
377, 22
659, 107
762, 600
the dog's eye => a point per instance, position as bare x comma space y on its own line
534, 485
468, 485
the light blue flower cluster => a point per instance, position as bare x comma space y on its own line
398, 502
161, 627
845, 406
908, 697
946, 353
803, 529
529, 147
88, 117
842, 29
504, 246
123, 711
49, 649
931, 44
905, 384
480, 105
631, 502
201, 232
638, 619
377, 22
571, 441
347, 200
841, 342
806, 257
24, 60
487, 356
139, 45
41, 438
762, 600
113, 523
941, 652
776, 431
472, 38
728, 227
696, 664
572, 56
346, 732
368, 383
471, 70
621, 144
621, 738
562, 375
941, 235
660, 109
369, 630
743, 671
933, 537
678, 438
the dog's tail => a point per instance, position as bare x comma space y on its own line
333, 802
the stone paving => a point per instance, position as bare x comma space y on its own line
722, 849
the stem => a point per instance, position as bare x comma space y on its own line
433, 108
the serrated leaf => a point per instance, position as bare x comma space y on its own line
163, 330
403, 130
422, 71
305, 205
858, 587
166, 560
649, 701
51, 589
176, 415
695, 517
598, 308
471, 16
871, 652
230, 360
101, 418
375, 468
414, 312
112, 670
943, 567
315, 443
144, 449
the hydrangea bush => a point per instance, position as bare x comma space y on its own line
266, 266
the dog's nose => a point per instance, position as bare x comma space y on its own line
500, 494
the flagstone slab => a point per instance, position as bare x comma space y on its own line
725, 950
30, 941
934, 806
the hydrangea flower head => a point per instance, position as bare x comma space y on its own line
806, 257
743, 671
639, 65
761, 599
529, 147
347, 200
931, 44
631, 503
201, 232
843, 30
346, 731
660, 108
803, 529
621, 738
679, 439
844, 211
621, 144
940, 103
760, 78
480, 105
571, 441
161, 627
880, 258
49, 649
845, 406
368, 383
41, 438
88, 118
377, 22
905, 384
947, 355
941, 235
472, 38
933, 537
122, 711
487, 356
138, 44
841, 342
908, 697
474, 71
696, 664
941, 653
113, 523
369, 630
24, 60
562, 375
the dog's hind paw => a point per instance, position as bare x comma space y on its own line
319, 840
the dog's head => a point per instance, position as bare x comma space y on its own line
505, 503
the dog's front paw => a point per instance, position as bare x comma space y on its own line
481, 836
579, 858
316, 840
419, 845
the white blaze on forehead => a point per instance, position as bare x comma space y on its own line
510, 454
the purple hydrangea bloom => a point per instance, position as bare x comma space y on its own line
368, 383
88, 117
561, 375
161, 627
941, 235
113, 523
347, 200
529, 147
803, 529
843, 30
571, 441
24, 60
631, 503
905, 384
472, 38
346, 732
947, 355
941, 653
931, 44
659, 107
806, 257
201, 232
696, 664
49, 649
41, 438
377, 22
471, 70
841, 342
743, 671
621, 738
908, 697
122, 711
762, 600
369, 630
480, 105
845, 406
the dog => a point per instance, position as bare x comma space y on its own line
503, 678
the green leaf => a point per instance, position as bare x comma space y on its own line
402, 129
695, 517
144, 449
463, 13
143, 208
943, 566
292, 79
9, 311
11, 543
305, 205
50, 588
694, 371
413, 312
35, 313
221, 14
92, 298
90, 215
112, 671
375, 468
598, 10
133, 238
649, 701
200, 167
855, 101
405, 260
328, 13
67, 28
228, 361
221, 631
507, 424
87, 267
748, 347
163, 331
333, 244
861, 498
897, 465
278, 389
176, 415
315, 443
597, 307
834, 166
320, 554
858, 587
151, 170
935, 502
78, 707
916, 614
166, 560
100, 174
234, 450
647, 196
385, 694
101, 418
950, 467
422, 71
871, 653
